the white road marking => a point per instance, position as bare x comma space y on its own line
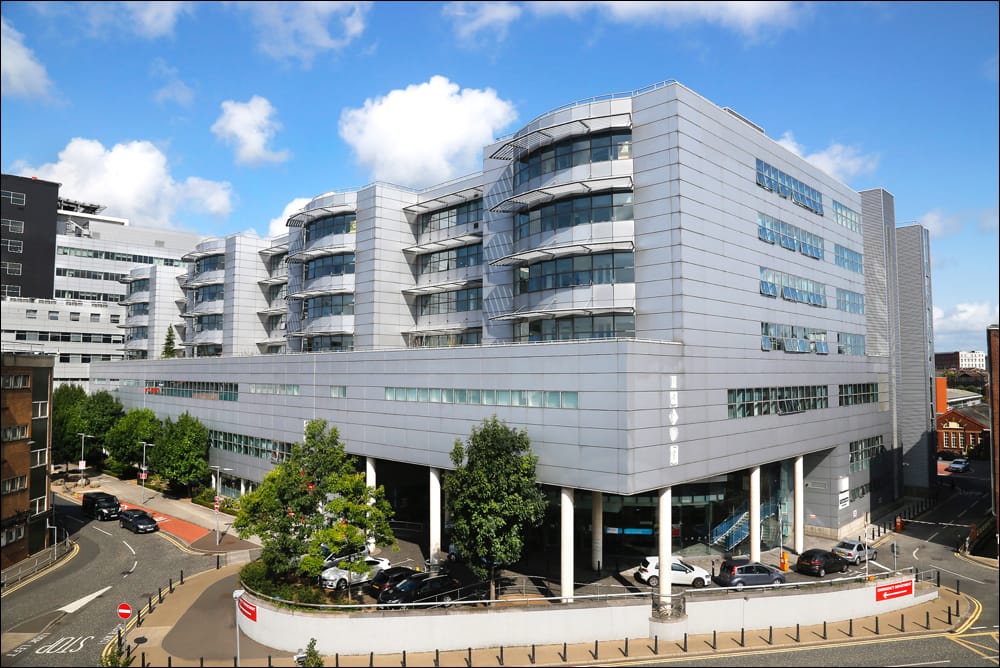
129, 547
102, 531
76, 605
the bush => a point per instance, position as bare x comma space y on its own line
117, 469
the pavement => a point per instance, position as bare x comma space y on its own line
185, 629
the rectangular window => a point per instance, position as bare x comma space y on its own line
13, 226
16, 484
39, 409
53, 315
11, 268
74, 317
12, 535
39, 458
31, 314
12, 245
37, 505
95, 317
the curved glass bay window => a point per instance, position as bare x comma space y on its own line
328, 342
461, 214
598, 147
605, 207
341, 223
456, 301
565, 272
210, 293
453, 258
330, 265
141, 285
211, 263
317, 307
206, 323
614, 325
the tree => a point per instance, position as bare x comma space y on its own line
95, 415
124, 440
66, 409
312, 658
493, 497
181, 453
314, 503
169, 350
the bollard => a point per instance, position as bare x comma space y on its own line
743, 640
796, 633
656, 645
532, 657
182, 576
404, 658
685, 643
336, 660
957, 613
142, 660
236, 662
927, 620
949, 615
171, 581
824, 630
770, 635
149, 601
937, 576
371, 659
470, 658
201, 661
564, 647
217, 564
138, 617
902, 622
714, 643
501, 655
626, 647
159, 593
876, 624
850, 628
596, 650
269, 661
120, 631
437, 658
958, 586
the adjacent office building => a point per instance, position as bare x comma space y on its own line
712, 344
66, 277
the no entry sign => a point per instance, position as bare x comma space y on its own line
124, 610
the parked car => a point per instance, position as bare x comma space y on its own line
855, 550
432, 588
389, 577
340, 579
740, 573
681, 573
960, 465
137, 521
100, 505
820, 562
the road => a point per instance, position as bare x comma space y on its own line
68, 615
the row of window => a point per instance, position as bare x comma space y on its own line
70, 337
272, 388
775, 180
133, 310
576, 327
16, 381
10, 290
137, 334
850, 344
330, 265
789, 236
94, 275
188, 389
208, 323
453, 258
793, 338
456, 301
210, 293
131, 258
15, 484
586, 210
596, 269
866, 453
12, 226
12, 535
250, 446
858, 393
210, 263
480, 397
328, 343
598, 147
86, 295
324, 305
756, 401
471, 337
848, 259
846, 217
71, 358
341, 223
791, 287
460, 214
851, 302
15, 198
15, 432
74, 316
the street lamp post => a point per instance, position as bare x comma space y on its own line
83, 439
236, 605
218, 496
142, 471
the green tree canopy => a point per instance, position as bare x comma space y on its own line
123, 441
493, 496
67, 402
169, 346
181, 453
315, 499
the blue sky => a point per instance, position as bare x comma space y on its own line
226, 117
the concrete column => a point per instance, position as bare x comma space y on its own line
597, 530
798, 507
755, 513
243, 486
370, 472
434, 523
566, 543
665, 547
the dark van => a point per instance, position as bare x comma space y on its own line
101, 506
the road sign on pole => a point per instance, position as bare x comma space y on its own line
124, 610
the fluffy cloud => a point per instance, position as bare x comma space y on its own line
474, 18
939, 224
249, 126
426, 133
963, 326
133, 181
21, 75
301, 30
150, 20
277, 227
748, 18
839, 161
174, 90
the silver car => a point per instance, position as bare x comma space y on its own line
855, 551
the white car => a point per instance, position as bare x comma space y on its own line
339, 578
681, 573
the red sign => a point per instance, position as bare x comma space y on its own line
216, 505
248, 609
895, 590
142, 476
124, 610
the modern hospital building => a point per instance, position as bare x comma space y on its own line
695, 326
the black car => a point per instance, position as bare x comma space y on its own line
741, 572
389, 577
137, 521
422, 588
821, 562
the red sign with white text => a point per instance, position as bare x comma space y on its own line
248, 609
894, 590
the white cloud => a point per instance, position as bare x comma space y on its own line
939, 224
277, 227
249, 126
21, 75
748, 18
966, 320
989, 221
133, 181
175, 90
154, 19
301, 30
472, 18
426, 133
119, 20
839, 161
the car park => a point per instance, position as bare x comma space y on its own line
820, 562
855, 551
101, 505
137, 521
340, 578
681, 573
416, 589
389, 577
960, 465
740, 573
